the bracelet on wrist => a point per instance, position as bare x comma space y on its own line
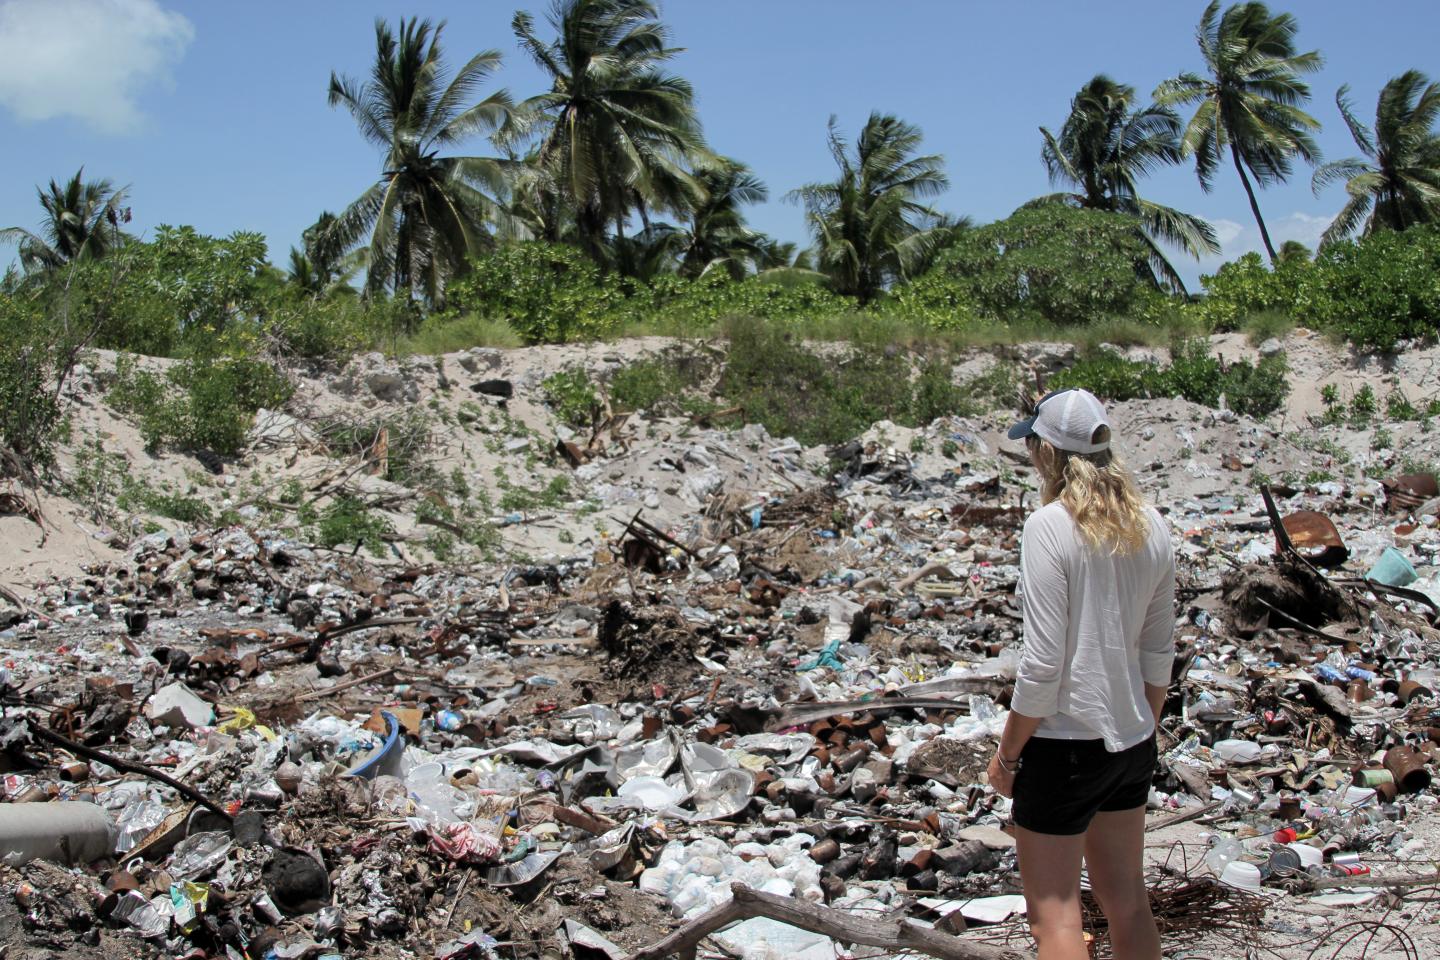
1009, 766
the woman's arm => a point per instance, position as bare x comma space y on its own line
1157, 637
1045, 605
1003, 766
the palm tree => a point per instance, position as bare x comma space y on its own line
869, 224
315, 268
1103, 150
317, 272
615, 132
718, 238
426, 213
650, 253
1249, 101
1398, 184
82, 222
773, 254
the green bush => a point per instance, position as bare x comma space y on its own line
1252, 389
324, 329
680, 305
833, 397
1245, 289
138, 497
36, 350
409, 443
552, 293
1374, 292
348, 521
659, 382
204, 403
181, 287
1054, 263
549, 293
1378, 291
572, 396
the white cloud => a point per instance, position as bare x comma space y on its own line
88, 59
1241, 238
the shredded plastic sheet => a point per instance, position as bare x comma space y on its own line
464, 843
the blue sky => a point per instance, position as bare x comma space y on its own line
214, 113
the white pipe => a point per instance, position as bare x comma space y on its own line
68, 832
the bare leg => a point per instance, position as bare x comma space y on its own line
1115, 854
1050, 871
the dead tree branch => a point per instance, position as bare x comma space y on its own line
891, 933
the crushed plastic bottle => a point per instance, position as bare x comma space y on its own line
1223, 852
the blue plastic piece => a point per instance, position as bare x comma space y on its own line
386, 760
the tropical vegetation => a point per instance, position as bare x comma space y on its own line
1396, 184
427, 213
870, 225
81, 222
1248, 101
595, 206
1107, 144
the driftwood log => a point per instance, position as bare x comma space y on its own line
891, 933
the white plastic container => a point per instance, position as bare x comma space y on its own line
46, 831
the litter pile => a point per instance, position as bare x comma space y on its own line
234, 744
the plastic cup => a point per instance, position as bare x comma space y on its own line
1392, 569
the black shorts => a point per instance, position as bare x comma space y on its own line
1062, 784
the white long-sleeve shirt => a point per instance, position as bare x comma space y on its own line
1097, 629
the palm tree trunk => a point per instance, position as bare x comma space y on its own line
1254, 206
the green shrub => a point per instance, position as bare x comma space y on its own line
1053, 263
36, 351
409, 441
182, 286
548, 293
1374, 292
572, 396
205, 403
96, 479
1245, 292
552, 293
1378, 291
347, 521
554, 493
677, 305
137, 497
833, 397
1252, 389
324, 329
934, 394
658, 382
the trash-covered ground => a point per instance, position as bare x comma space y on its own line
717, 658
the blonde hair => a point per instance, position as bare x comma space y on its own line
1098, 491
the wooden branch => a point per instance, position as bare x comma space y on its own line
1192, 814
806, 713
340, 631
454, 528
327, 691
891, 933
90, 753
14, 598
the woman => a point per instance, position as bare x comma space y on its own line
1097, 586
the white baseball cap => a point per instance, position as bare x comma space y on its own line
1067, 419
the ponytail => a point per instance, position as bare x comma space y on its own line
1100, 494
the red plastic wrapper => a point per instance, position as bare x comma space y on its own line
462, 843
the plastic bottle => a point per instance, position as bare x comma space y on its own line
1237, 751
1223, 852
